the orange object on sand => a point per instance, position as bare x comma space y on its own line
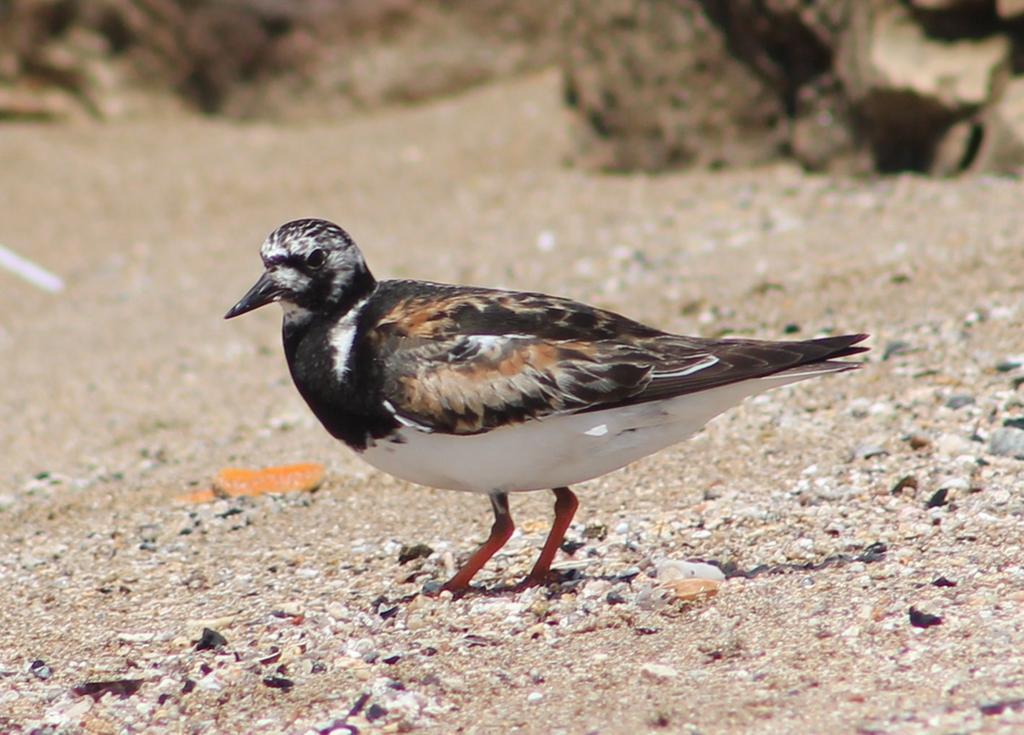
235, 481
291, 478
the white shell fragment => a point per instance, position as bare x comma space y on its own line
673, 569
34, 274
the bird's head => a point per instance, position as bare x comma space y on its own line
311, 265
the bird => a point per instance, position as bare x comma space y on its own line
494, 391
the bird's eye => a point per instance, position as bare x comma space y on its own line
316, 258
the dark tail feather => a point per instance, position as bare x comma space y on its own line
840, 346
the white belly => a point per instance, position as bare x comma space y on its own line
556, 451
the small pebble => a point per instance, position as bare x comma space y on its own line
921, 619
953, 445
121, 688
1010, 363
628, 573
867, 451
546, 241
907, 482
938, 499
658, 672
615, 597
1007, 441
278, 682
894, 348
209, 640
959, 400
414, 551
918, 440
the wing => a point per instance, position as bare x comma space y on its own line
708, 364
465, 361
473, 383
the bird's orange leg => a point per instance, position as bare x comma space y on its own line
565, 508
500, 533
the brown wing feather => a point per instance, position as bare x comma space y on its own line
465, 361
471, 384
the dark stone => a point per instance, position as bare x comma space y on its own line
997, 708
122, 688
358, 705
628, 575
415, 551
920, 619
432, 588
278, 682
40, 669
615, 598
571, 547
874, 552
906, 482
210, 639
938, 499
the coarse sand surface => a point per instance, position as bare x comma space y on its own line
823, 501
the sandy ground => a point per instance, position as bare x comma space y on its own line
128, 389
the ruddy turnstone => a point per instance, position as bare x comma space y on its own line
497, 392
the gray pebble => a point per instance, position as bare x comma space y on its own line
1010, 363
896, 347
867, 451
959, 400
615, 597
1007, 442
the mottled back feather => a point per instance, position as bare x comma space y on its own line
464, 361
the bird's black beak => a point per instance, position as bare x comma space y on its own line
264, 291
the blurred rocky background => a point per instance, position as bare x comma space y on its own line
935, 86
259, 58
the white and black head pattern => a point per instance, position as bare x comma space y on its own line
311, 266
